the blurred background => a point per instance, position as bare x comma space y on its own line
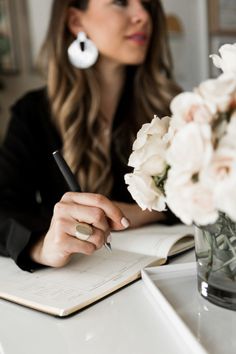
197, 28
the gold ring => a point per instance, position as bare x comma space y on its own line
83, 231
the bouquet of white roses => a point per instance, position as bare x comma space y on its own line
188, 161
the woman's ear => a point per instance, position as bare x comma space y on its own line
74, 21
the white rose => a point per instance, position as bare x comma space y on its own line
150, 147
220, 92
168, 137
232, 123
190, 107
191, 148
191, 201
219, 131
158, 127
144, 192
151, 157
225, 196
227, 61
221, 174
229, 138
222, 165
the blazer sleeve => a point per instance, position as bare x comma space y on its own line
21, 216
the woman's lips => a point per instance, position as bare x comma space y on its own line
138, 38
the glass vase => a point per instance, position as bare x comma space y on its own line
215, 247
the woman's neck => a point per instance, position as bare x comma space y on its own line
110, 74
111, 77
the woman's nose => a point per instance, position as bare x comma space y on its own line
139, 13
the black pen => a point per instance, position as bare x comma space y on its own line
70, 179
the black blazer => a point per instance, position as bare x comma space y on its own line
30, 182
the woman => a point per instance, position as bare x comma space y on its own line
91, 109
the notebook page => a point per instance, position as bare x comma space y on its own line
61, 291
154, 240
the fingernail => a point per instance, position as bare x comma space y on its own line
109, 238
125, 222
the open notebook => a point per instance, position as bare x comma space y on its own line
86, 279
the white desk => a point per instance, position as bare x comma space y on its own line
123, 323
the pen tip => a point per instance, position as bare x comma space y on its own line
108, 246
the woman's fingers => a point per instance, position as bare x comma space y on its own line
82, 213
68, 227
77, 246
117, 220
74, 245
57, 246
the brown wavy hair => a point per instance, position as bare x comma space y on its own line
75, 100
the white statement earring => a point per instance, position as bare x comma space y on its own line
82, 52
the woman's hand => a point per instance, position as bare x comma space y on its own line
56, 247
139, 217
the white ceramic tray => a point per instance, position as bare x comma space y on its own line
201, 326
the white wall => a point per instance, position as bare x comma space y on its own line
32, 32
39, 13
190, 50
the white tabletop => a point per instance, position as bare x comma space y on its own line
123, 323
